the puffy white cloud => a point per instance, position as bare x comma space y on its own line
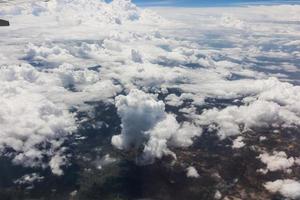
191, 172
287, 187
56, 162
35, 119
173, 100
139, 112
183, 136
30, 120
29, 179
262, 138
144, 121
77, 12
157, 145
179, 56
277, 161
238, 143
168, 132
260, 113
218, 195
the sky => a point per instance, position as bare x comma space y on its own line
201, 3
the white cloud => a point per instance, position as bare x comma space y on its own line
139, 113
184, 135
191, 172
144, 121
230, 21
238, 143
173, 100
29, 179
277, 161
159, 135
56, 162
287, 187
218, 195
28, 118
157, 56
260, 113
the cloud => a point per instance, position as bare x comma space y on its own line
29, 119
238, 143
173, 100
146, 124
56, 162
277, 161
29, 179
139, 113
191, 172
287, 187
218, 195
270, 107
66, 61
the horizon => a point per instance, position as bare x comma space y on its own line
207, 3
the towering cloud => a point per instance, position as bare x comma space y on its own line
139, 113
146, 124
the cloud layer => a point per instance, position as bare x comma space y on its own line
237, 71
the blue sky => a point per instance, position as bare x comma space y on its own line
195, 3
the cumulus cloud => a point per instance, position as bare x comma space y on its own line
173, 100
144, 121
139, 112
29, 179
157, 145
76, 12
56, 162
191, 172
72, 62
260, 113
218, 195
29, 119
35, 119
238, 143
277, 161
287, 187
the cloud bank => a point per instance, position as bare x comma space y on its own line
168, 79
